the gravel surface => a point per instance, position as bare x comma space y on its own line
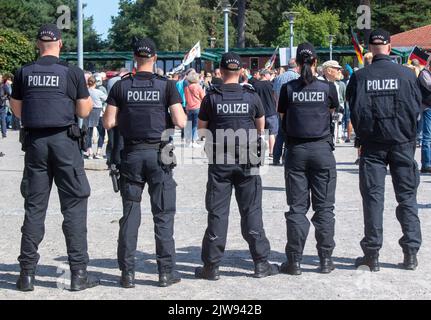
105, 210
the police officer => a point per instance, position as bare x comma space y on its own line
48, 95
140, 105
238, 110
305, 106
385, 100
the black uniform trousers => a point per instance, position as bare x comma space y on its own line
248, 192
405, 178
139, 167
51, 155
310, 168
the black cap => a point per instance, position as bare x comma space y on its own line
380, 37
144, 48
305, 51
49, 33
231, 61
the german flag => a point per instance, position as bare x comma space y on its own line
358, 48
271, 62
419, 54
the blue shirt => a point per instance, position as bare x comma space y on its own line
286, 77
180, 88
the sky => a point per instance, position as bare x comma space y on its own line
101, 10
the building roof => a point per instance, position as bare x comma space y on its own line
215, 54
420, 37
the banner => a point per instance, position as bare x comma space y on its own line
358, 48
270, 64
194, 53
285, 55
190, 56
419, 54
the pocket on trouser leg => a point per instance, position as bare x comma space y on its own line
24, 185
331, 185
169, 196
131, 191
82, 187
209, 197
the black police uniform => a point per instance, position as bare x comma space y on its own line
385, 100
232, 107
49, 89
311, 164
143, 101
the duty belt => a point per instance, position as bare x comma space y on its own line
141, 145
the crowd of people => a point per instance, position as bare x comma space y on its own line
193, 86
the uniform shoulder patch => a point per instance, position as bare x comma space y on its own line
63, 63
248, 87
214, 90
28, 64
159, 77
127, 75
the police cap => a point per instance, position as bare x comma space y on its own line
380, 37
231, 61
305, 51
49, 33
144, 47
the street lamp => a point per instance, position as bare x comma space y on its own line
212, 41
291, 16
80, 48
226, 11
331, 40
80, 35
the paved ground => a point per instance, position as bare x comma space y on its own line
105, 211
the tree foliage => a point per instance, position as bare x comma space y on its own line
27, 16
311, 27
15, 50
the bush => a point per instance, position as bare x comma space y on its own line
15, 50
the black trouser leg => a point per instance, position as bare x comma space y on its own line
323, 185
218, 197
298, 226
248, 192
129, 225
36, 191
405, 178
163, 203
372, 174
74, 190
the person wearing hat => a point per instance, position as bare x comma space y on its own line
48, 95
144, 107
305, 106
332, 72
385, 103
232, 118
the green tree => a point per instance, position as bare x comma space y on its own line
178, 24
311, 27
132, 20
15, 50
399, 16
27, 16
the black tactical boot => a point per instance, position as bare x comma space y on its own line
371, 262
81, 281
410, 262
265, 269
127, 279
293, 268
168, 279
326, 265
208, 273
25, 282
